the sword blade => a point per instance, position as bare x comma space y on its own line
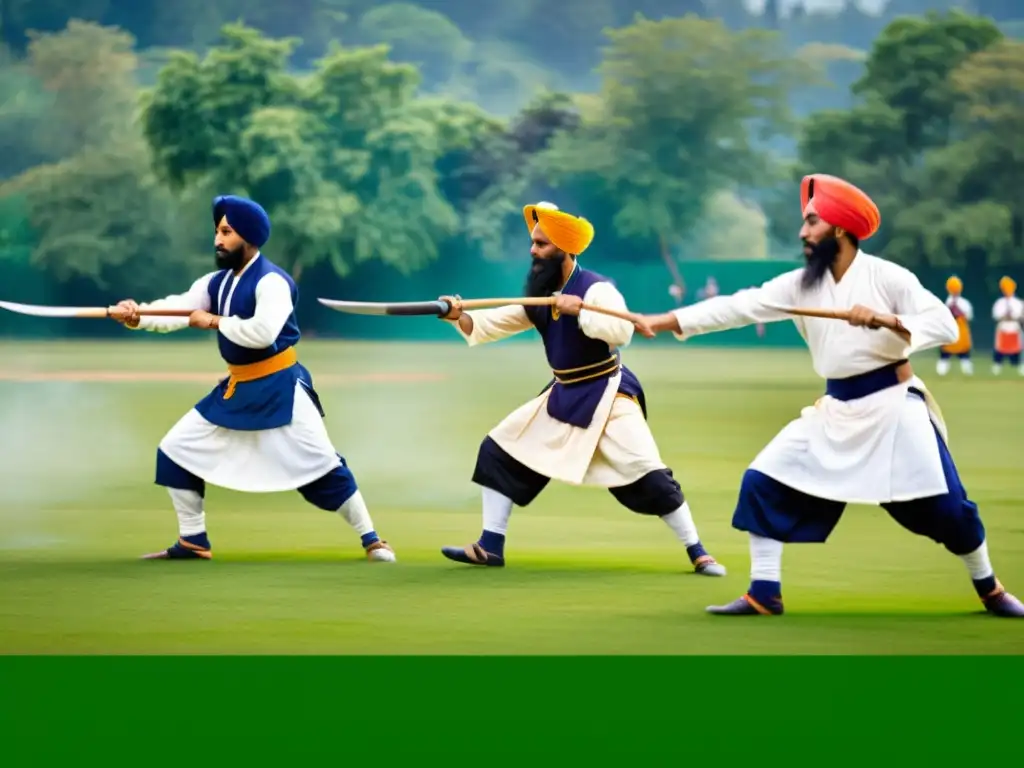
40, 310
381, 308
37, 310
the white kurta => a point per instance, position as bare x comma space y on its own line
270, 460
1008, 312
616, 449
963, 305
872, 450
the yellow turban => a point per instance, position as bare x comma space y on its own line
572, 234
954, 285
1007, 286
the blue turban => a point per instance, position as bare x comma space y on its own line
244, 216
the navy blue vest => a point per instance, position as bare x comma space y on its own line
581, 365
264, 403
243, 305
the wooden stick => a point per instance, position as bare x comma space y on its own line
159, 312
833, 314
838, 314
524, 301
541, 301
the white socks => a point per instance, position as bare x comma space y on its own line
977, 562
497, 511
192, 518
966, 365
356, 514
765, 559
681, 523
189, 506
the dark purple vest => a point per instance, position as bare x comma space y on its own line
581, 365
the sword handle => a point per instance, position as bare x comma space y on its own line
420, 308
166, 312
111, 311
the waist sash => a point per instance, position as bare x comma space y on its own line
864, 384
253, 371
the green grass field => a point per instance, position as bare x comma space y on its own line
585, 576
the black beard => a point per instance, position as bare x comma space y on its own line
229, 259
821, 258
545, 276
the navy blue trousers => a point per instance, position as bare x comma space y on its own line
771, 509
328, 492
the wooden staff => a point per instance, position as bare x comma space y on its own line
840, 314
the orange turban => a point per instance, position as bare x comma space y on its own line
568, 233
954, 285
841, 204
1007, 285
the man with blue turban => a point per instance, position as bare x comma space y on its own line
261, 429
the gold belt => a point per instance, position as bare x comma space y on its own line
586, 372
253, 371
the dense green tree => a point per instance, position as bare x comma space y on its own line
343, 159
686, 105
906, 108
96, 213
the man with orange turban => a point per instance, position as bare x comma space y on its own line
876, 436
589, 424
1008, 312
963, 312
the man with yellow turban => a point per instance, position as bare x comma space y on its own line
963, 313
876, 436
589, 424
260, 430
1008, 312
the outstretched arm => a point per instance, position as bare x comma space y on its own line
486, 325
724, 313
196, 297
616, 332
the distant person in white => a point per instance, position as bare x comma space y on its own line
1008, 312
963, 314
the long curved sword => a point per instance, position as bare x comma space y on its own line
40, 310
440, 307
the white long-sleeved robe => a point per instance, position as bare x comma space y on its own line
1008, 312
963, 305
872, 450
616, 449
280, 459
